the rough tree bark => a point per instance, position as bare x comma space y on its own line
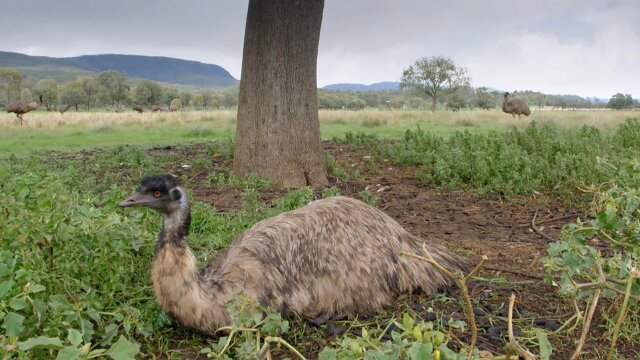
278, 131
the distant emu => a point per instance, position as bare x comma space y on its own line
63, 108
515, 106
334, 258
138, 108
21, 107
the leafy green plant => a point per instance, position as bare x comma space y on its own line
366, 196
330, 192
254, 328
414, 340
295, 199
586, 271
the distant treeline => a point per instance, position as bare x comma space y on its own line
115, 89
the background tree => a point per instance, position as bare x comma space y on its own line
436, 76
73, 93
278, 131
148, 93
25, 95
113, 87
176, 104
484, 99
170, 94
10, 82
198, 100
620, 101
47, 92
89, 87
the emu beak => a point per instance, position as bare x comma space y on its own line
136, 199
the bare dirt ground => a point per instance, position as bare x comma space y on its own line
469, 225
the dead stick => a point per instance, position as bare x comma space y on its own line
513, 345
587, 324
461, 280
535, 228
622, 314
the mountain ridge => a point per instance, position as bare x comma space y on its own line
156, 68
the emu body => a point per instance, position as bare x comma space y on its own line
21, 107
331, 259
515, 106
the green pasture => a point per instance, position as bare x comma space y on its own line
46, 131
74, 280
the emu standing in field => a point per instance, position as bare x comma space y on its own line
63, 108
331, 259
138, 108
515, 106
21, 107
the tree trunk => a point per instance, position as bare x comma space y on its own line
278, 131
433, 104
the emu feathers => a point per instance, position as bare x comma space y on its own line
334, 258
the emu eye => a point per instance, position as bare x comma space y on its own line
157, 194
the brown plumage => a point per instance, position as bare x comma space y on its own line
331, 259
138, 108
63, 108
21, 107
515, 106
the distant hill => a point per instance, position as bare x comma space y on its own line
156, 68
386, 85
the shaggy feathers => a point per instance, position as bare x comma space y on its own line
515, 106
333, 258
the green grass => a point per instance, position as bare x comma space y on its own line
85, 130
74, 266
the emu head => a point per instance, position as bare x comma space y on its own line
162, 193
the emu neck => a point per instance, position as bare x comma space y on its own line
180, 290
177, 221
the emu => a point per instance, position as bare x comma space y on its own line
63, 108
138, 108
515, 106
334, 258
21, 107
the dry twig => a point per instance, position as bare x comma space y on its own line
462, 281
512, 345
538, 231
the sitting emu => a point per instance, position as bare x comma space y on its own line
331, 259
515, 106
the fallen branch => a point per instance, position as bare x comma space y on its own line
623, 311
462, 281
513, 345
587, 324
535, 228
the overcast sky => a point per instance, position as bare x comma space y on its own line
587, 48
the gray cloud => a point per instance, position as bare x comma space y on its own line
563, 46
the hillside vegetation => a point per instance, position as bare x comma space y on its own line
156, 68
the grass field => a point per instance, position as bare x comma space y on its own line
74, 267
72, 131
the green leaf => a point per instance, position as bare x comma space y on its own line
328, 354
41, 342
407, 322
74, 337
36, 288
13, 324
421, 351
448, 354
68, 353
5, 288
545, 345
18, 303
123, 349
4, 270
